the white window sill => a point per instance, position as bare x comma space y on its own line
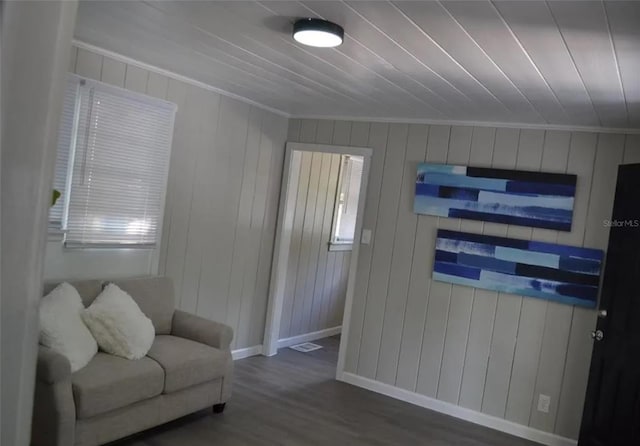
340, 246
55, 235
109, 246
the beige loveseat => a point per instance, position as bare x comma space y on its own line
188, 368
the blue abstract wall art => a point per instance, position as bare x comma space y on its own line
565, 274
537, 199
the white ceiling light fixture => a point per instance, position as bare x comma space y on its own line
317, 32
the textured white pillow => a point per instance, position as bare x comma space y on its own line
118, 324
62, 329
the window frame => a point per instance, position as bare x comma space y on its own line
56, 228
57, 231
334, 244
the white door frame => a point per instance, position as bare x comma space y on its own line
283, 241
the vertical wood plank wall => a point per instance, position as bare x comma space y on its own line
316, 277
221, 205
486, 351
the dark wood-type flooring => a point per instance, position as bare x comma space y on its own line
292, 399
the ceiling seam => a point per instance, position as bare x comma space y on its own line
310, 54
232, 67
362, 94
229, 66
345, 72
173, 75
573, 62
529, 58
189, 23
411, 78
447, 54
475, 42
251, 53
615, 58
291, 81
415, 97
358, 97
439, 76
393, 84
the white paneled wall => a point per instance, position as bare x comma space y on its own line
486, 351
222, 198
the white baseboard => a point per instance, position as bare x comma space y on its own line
462, 413
242, 353
308, 337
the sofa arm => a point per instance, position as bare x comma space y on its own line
199, 329
52, 367
54, 411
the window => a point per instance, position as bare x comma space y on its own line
346, 207
112, 164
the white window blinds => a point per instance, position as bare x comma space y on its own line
120, 152
347, 199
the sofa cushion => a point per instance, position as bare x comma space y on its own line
187, 363
88, 289
118, 324
154, 296
109, 382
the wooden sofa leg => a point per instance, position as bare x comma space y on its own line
219, 408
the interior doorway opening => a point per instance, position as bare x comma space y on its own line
317, 243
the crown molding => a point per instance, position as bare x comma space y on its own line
511, 125
179, 77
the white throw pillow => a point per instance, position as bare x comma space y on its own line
118, 324
62, 329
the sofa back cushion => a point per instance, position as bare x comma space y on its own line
155, 297
88, 289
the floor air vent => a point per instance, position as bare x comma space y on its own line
306, 347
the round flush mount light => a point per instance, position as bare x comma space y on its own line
318, 33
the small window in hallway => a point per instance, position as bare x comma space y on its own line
346, 205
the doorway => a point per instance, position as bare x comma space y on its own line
317, 242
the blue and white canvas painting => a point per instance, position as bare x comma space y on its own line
565, 274
536, 199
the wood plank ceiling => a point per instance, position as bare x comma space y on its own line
532, 62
